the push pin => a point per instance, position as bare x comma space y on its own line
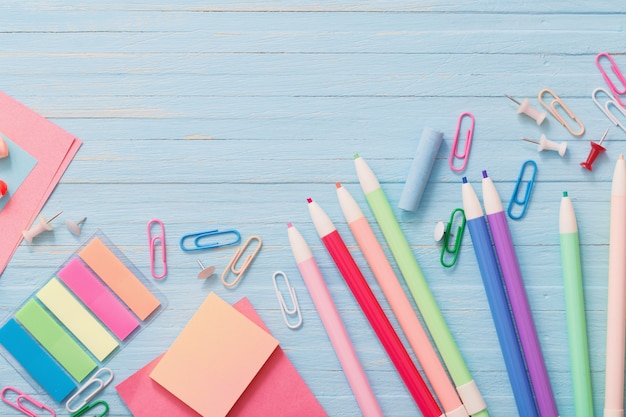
39, 227
206, 271
4, 188
528, 110
596, 149
74, 227
547, 145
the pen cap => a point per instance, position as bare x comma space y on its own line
421, 167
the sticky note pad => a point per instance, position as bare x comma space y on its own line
36, 361
55, 340
119, 278
214, 358
77, 319
97, 297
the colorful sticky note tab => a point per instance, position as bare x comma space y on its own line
77, 319
119, 278
214, 358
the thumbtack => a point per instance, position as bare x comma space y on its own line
74, 227
528, 110
39, 227
596, 149
206, 271
547, 145
4, 188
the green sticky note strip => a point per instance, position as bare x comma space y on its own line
55, 340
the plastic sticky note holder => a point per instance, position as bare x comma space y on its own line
87, 310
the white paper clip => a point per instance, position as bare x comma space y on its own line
231, 267
606, 107
286, 312
100, 385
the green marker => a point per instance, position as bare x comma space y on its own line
575, 308
413, 276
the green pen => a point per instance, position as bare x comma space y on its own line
413, 276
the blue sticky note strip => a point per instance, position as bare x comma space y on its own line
15, 168
36, 361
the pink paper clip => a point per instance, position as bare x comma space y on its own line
153, 241
618, 74
552, 109
20, 407
468, 142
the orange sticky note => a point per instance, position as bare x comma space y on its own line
214, 358
119, 278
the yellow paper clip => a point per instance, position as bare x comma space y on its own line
606, 107
552, 109
153, 241
100, 385
445, 234
529, 187
88, 407
21, 397
231, 267
287, 312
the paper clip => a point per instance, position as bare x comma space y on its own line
87, 407
283, 306
553, 111
100, 385
515, 198
231, 265
616, 71
21, 397
197, 237
606, 107
468, 142
153, 241
445, 249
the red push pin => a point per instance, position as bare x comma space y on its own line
4, 188
596, 149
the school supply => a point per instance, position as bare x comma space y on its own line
525, 108
553, 110
596, 149
4, 148
610, 103
617, 73
154, 241
21, 399
284, 310
75, 227
4, 188
469, 134
515, 198
205, 271
42, 225
96, 380
544, 144
15, 167
232, 264
87, 408
443, 233
198, 237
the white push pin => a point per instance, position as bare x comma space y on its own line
440, 231
528, 110
546, 144
74, 227
39, 227
206, 271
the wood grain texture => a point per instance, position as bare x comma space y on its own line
231, 114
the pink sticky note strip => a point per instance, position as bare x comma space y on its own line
98, 298
277, 390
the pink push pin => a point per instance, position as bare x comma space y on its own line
4, 188
206, 271
528, 110
39, 227
596, 149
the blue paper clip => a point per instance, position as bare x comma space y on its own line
197, 237
94, 380
606, 107
445, 249
468, 143
552, 108
515, 198
21, 397
88, 407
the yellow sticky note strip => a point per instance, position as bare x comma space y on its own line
77, 319
119, 278
214, 358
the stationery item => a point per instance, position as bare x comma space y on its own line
515, 198
223, 370
42, 225
528, 110
231, 267
333, 324
605, 108
468, 143
400, 304
50, 149
414, 278
421, 166
153, 242
596, 149
518, 300
284, 310
443, 233
552, 109
4, 148
575, 308
14, 169
373, 311
199, 236
21, 398
498, 304
205, 271
544, 144
616, 305
88, 407
617, 91
75, 227
97, 381
4, 188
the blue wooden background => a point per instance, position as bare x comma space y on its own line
230, 114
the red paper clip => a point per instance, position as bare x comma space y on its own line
468, 142
21, 397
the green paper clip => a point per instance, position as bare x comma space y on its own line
87, 407
445, 249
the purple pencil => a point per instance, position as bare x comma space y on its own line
518, 300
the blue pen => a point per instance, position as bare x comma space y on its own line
498, 303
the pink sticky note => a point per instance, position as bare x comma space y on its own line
52, 147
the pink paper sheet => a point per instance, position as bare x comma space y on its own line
277, 390
53, 148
